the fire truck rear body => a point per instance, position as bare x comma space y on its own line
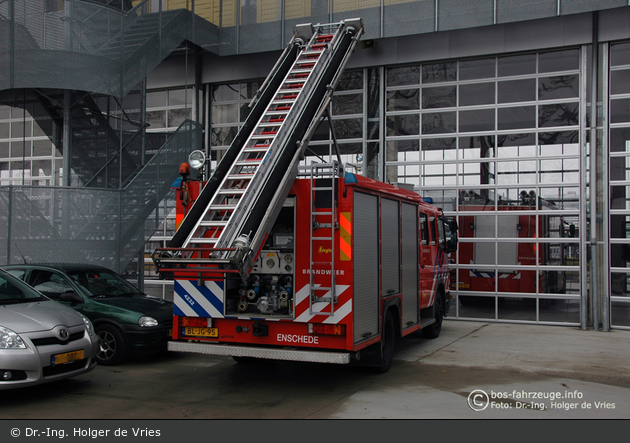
337, 260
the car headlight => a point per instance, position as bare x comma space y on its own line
147, 321
10, 339
88, 325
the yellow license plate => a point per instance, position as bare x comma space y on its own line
67, 357
202, 332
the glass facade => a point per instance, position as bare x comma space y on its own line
499, 142
27, 156
496, 142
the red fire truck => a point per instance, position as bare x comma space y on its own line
350, 264
516, 221
274, 260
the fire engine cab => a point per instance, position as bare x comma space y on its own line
274, 260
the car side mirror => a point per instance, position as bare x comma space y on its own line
71, 297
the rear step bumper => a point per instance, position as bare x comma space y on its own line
313, 356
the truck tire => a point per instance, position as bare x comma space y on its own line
387, 344
433, 330
112, 345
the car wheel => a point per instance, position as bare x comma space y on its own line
112, 345
433, 330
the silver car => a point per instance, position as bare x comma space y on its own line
40, 340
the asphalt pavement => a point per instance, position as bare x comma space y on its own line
498, 370
473, 370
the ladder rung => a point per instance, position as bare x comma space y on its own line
322, 238
294, 83
222, 207
261, 136
213, 224
256, 148
240, 177
232, 191
203, 240
301, 71
275, 112
248, 162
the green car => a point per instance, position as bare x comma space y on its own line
125, 319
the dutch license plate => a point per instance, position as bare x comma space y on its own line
67, 357
202, 332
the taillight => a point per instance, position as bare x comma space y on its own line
322, 329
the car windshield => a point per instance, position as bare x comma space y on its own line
103, 283
13, 290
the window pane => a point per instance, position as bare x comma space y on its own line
156, 99
477, 147
403, 125
225, 113
438, 123
439, 72
408, 75
351, 80
222, 93
517, 91
517, 118
558, 138
443, 97
620, 110
563, 86
347, 104
474, 69
477, 94
178, 97
41, 148
559, 61
566, 114
439, 145
620, 82
620, 54
478, 120
620, 140
403, 100
156, 119
177, 116
348, 128
517, 65
223, 136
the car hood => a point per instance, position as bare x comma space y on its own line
37, 316
161, 310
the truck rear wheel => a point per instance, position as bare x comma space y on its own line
387, 344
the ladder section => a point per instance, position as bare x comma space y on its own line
237, 192
254, 184
324, 179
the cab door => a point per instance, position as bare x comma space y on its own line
426, 261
